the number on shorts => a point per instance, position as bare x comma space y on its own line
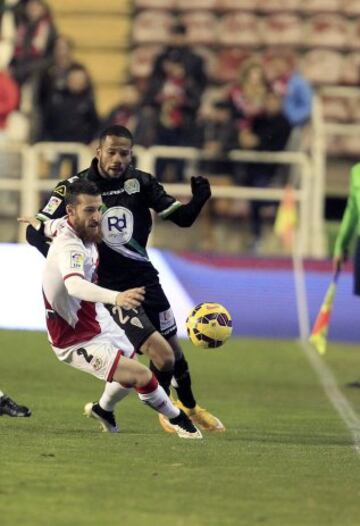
84, 353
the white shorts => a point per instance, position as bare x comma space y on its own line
99, 356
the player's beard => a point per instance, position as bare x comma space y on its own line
86, 233
113, 174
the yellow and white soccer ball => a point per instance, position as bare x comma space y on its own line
209, 325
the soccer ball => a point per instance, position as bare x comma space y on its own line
209, 325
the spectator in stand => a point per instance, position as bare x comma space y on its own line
54, 78
9, 89
269, 132
126, 112
35, 37
70, 116
247, 95
294, 89
7, 30
218, 134
193, 63
9, 98
193, 70
175, 100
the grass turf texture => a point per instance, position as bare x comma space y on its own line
285, 459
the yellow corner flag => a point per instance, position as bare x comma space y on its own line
286, 218
319, 332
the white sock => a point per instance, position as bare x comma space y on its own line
1, 394
154, 395
112, 394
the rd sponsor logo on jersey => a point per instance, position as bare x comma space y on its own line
52, 205
117, 226
76, 260
132, 186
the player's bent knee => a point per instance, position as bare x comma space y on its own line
159, 351
143, 376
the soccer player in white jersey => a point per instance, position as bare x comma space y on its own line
81, 331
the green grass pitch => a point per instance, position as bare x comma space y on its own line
286, 459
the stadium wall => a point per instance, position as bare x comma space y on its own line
259, 293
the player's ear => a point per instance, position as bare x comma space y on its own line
69, 210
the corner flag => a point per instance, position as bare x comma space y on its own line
286, 218
319, 332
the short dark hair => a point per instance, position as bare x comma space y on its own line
78, 187
118, 131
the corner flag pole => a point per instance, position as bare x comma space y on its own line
320, 329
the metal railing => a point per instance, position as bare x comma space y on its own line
30, 186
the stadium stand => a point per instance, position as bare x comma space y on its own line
105, 55
239, 29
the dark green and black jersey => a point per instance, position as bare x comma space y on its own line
126, 223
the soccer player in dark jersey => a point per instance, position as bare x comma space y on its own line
128, 195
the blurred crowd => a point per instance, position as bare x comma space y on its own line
46, 95
173, 107
40, 82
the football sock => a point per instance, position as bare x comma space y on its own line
112, 394
182, 383
1, 394
154, 396
163, 377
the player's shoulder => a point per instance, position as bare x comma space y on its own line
355, 174
63, 185
61, 188
137, 180
139, 175
66, 235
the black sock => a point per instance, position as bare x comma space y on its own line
183, 381
163, 377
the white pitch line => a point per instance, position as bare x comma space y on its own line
338, 400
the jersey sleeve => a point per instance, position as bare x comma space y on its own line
159, 200
71, 260
351, 215
55, 207
51, 227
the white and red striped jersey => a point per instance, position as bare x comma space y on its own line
70, 321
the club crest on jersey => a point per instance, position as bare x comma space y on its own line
117, 225
97, 363
76, 260
52, 205
132, 186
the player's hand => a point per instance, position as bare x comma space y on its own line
338, 262
200, 187
130, 299
35, 223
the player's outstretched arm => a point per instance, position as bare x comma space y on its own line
35, 234
30, 220
185, 215
82, 289
131, 298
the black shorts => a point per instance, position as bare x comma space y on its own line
155, 314
357, 268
